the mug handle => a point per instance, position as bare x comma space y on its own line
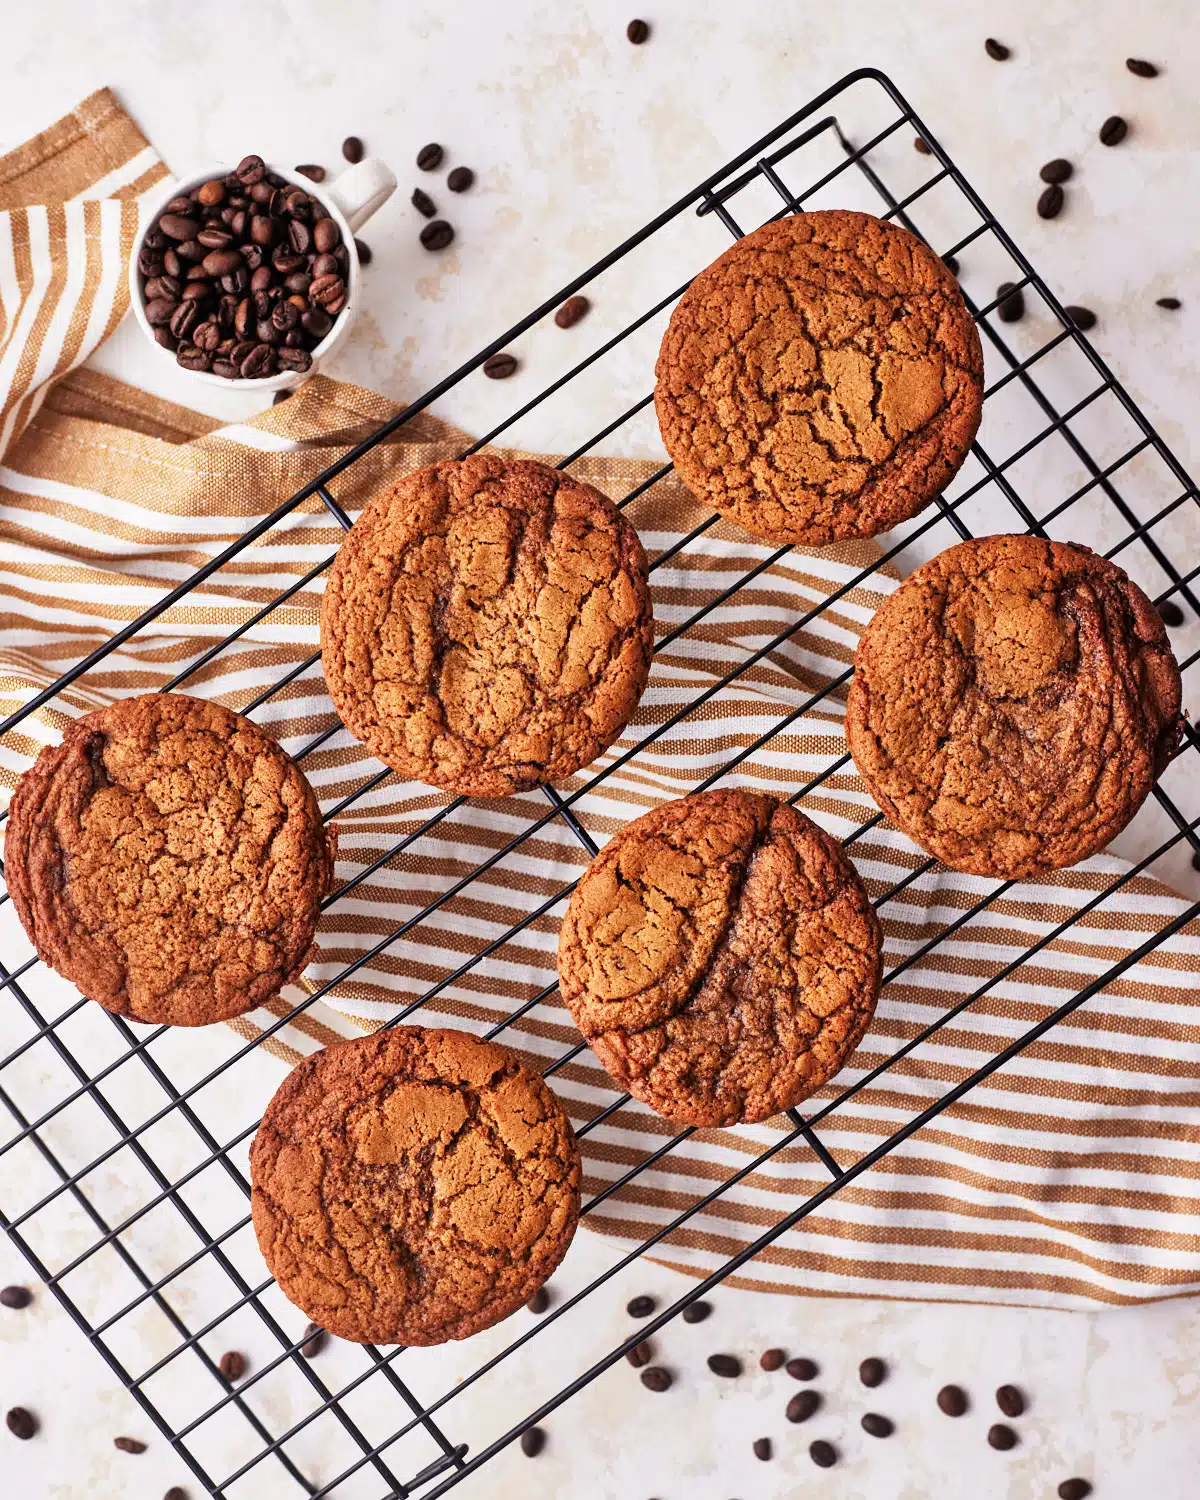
361, 190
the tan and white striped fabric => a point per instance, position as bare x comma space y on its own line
1071, 1177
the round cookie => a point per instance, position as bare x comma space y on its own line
721, 957
168, 857
487, 626
414, 1186
1012, 703
822, 379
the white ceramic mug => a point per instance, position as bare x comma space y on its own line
349, 201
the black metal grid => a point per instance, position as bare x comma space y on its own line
761, 164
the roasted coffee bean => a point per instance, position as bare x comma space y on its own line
190, 250
727, 1366
1049, 204
16, 1297
164, 337
333, 308
1140, 68
184, 319
1010, 304
150, 262
21, 1423
129, 1445
250, 170
639, 1355
696, 1312
262, 229
197, 273
245, 318
802, 1369
771, 1360
253, 256
762, 1448
423, 203
265, 332
437, 235
163, 288
326, 236
1113, 131
297, 203
922, 145
640, 1307
240, 349
823, 1454
300, 303
364, 252
285, 316
215, 239
222, 262
342, 256
160, 311
429, 158
172, 265
236, 282
207, 336
352, 149
877, 1426
176, 1492
281, 396
1074, 1489
952, 1399
571, 311
316, 322
460, 179
262, 193
262, 278
258, 363
951, 264
1010, 1401
211, 193
178, 226
1082, 317
298, 283
225, 348
156, 239
533, 1440
657, 1379
324, 265
191, 358
300, 236
500, 367
802, 1405
181, 204
292, 340
1171, 615
637, 32
1172, 304
538, 1302
1058, 170
1001, 1438
872, 1372
313, 172
315, 1339
326, 290
997, 50
286, 261
227, 312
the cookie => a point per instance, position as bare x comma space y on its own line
487, 626
169, 859
721, 957
414, 1186
1012, 703
820, 380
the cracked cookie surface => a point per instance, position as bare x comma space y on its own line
414, 1186
822, 379
168, 857
1012, 703
721, 957
487, 626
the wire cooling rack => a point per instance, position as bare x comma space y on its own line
808, 157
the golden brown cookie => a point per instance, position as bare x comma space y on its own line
414, 1186
1012, 703
822, 379
722, 958
169, 858
487, 626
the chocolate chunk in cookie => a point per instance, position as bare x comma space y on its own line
721, 957
169, 858
1013, 702
822, 379
487, 626
413, 1186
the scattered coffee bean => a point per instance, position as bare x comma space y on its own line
21, 1423
762, 1448
437, 236
1172, 304
951, 264
922, 145
696, 1312
637, 32
460, 179
997, 51
176, 1492
365, 253
1082, 317
952, 1399
232, 1365
280, 396
872, 1372
571, 311
429, 158
16, 1296
423, 203
1113, 131
1010, 305
1001, 1438
129, 1445
1196, 861
1074, 1489
1049, 205
639, 1355
533, 1440
823, 1454
802, 1405
1010, 1401
636, 1307
1140, 68
500, 367
877, 1426
657, 1379
802, 1369
315, 1339
539, 1302
771, 1359
728, 1366
352, 149
313, 172
1058, 170
1171, 615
